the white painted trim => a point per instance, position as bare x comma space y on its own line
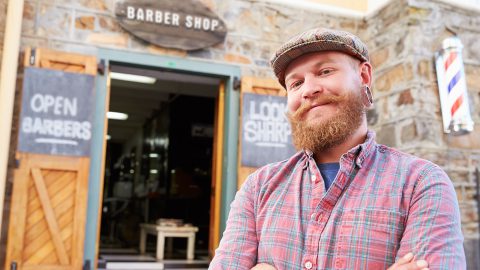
373, 11
462, 5
303, 4
306, 5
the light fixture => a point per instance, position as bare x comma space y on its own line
153, 155
132, 78
117, 116
153, 171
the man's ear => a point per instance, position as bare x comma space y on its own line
366, 73
366, 77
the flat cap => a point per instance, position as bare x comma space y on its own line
316, 40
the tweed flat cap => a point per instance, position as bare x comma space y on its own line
316, 40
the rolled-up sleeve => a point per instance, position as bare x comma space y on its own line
238, 247
433, 227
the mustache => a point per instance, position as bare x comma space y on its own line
309, 104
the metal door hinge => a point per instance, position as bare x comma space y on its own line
86, 265
101, 67
33, 54
236, 83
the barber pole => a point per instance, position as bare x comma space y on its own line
453, 88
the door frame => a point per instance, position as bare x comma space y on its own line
229, 73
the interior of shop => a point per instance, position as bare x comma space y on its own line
158, 166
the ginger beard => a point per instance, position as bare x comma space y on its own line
318, 135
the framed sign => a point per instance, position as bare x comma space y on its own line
266, 132
185, 25
57, 112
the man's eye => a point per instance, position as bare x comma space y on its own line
325, 71
295, 84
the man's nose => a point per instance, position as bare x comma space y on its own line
311, 87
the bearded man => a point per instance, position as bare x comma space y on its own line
343, 201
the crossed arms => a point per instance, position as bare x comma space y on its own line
431, 233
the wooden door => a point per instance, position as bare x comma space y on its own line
47, 224
49, 199
216, 184
258, 86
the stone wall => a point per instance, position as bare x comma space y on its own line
403, 39
255, 29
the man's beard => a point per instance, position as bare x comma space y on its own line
319, 135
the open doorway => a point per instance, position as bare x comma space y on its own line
159, 155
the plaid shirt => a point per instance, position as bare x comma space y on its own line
382, 205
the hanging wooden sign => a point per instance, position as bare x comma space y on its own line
186, 25
57, 112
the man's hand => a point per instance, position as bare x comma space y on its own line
263, 266
408, 263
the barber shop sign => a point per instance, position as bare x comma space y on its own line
185, 25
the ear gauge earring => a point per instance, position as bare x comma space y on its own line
368, 94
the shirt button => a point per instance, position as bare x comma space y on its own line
314, 178
308, 265
313, 216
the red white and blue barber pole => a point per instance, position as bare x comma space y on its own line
453, 88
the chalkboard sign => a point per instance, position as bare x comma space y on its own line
57, 112
266, 132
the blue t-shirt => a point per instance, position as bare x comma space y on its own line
329, 172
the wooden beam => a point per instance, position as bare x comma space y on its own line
80, 212
18, 213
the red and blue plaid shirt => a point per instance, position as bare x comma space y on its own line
382, 205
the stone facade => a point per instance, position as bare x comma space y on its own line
402, 37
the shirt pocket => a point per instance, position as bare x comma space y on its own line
369, 238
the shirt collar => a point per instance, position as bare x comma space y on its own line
362, 151
358, 153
